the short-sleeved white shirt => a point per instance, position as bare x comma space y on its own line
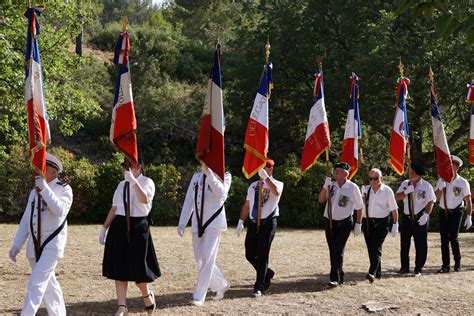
455, 193
137, 208
344, 200
423, 194
382, 202
269, 200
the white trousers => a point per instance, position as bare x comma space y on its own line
205, 254
43, 286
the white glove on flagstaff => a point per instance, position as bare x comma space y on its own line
327, 183
394, 231
181, 229
102, 235
409, 189
440, 185
13, 253
128, 175
239, 228
357, 229
263, 174
468, 222
423, 219
40, 183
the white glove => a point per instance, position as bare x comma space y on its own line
204, 169
365, 189
102, 235
409, 189
423, 219
440, 185
181, 229
239, 228
394, 229
357, 229
468, 222
40, 183
263, 174
13, 253
327, 183
128, 175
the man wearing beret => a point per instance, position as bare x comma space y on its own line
418, 199
456, 195
258, 243
344, 197
44, 226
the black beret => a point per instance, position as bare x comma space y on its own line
418, 168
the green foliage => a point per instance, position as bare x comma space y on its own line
235, 199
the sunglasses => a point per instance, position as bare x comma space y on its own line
373, 178
269, 166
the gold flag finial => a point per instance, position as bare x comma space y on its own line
267, 50
124, 23
431, 74
401, 66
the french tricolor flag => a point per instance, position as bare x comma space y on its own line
210, 143
38, 127
123, 130
317, 134
256, 136
444, 164
400, 133
350, 145
470, 100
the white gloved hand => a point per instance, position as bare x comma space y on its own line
102, 235
239, 228
440, 185
365, 189
357, 229
468, 222
40, 183
327, 183
204, 169
409, 189
128, 175
13, 253
181, 229
423, 219
263, 174
394, 229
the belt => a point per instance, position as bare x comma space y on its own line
377, 219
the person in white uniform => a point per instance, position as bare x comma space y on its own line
345, 198
456, 195
418, 199
379, 202
44, 225
204, 202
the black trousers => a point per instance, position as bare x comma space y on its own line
374, 237
336, 239
449, 231
409, 229
257, 249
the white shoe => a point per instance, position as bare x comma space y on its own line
220, 293
197, 302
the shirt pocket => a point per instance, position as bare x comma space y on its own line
343, 198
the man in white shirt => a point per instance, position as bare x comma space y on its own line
379, 202
418, 199
44, 226
258, 240
204, 202
345, 198
456, 195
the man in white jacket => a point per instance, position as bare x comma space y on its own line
44, 226
204, 202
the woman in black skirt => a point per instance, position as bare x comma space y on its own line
129, 252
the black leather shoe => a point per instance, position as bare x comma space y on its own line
457, 269
370, 277
268, 279
403, 271
443, 270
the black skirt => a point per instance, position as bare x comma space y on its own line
133, 260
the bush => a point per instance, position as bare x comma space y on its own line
235, 199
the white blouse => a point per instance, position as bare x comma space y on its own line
137, 208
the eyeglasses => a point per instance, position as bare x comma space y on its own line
373, 178
269, 166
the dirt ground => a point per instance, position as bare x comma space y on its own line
299, 258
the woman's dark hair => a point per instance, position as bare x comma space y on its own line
126, 164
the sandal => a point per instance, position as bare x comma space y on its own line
150, 309
122, 310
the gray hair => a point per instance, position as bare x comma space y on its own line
377, 171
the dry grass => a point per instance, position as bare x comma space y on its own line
299, 257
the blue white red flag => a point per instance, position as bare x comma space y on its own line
38, 126
210, 143
470, 100
400, 134
350, 145
444, 164
317, 134
123, 130
256, 136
